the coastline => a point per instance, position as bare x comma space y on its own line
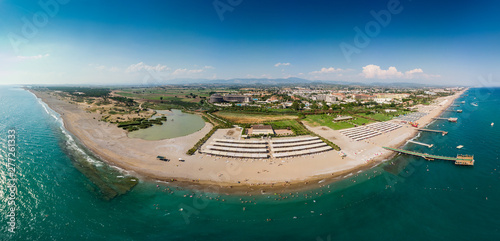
112, 145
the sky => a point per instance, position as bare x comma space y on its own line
136, 42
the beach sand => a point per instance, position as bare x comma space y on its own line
139, 156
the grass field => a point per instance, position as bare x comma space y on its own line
361, 121
383, 116
243, 118
294, 125
160, 96
326, 120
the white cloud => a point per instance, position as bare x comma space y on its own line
281, 64
326, 71
33, 57
414, 71
372, 71
190, 71
141, 66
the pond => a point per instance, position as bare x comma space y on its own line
177, 124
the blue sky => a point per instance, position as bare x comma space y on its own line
127, 42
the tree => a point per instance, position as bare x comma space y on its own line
315, 106
295, 105
325, 106
161, 97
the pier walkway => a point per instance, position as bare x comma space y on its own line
463, 160
438, 131
420, 143
451, 119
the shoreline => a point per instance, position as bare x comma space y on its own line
87, 123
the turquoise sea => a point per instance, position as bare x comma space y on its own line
61, 192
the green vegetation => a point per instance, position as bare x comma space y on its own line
170, 104
377, 116
202, 140
326, 120
141, 123
165, 98
360, 121
383, 116
82, 91
294, 125
335, 147
124, 100
245, 117
340, 125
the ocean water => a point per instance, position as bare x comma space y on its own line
62, 192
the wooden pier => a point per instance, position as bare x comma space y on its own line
437, 131
461, 160
420, 143
451, 119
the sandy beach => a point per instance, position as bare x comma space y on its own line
139, 156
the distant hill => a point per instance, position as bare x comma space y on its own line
285, 81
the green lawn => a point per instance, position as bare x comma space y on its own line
339, 125
294, 125
384, 116
361, 121
377, 116
246, 118
326, 120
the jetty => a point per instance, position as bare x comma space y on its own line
461, 160
420, 143
451, 119
437, 131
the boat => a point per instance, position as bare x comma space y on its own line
459, 147
459, 111
474, 104
463, 102
492, 123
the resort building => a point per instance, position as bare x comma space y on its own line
363, 97
324, 97
217, 98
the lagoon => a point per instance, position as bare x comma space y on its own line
178, 124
